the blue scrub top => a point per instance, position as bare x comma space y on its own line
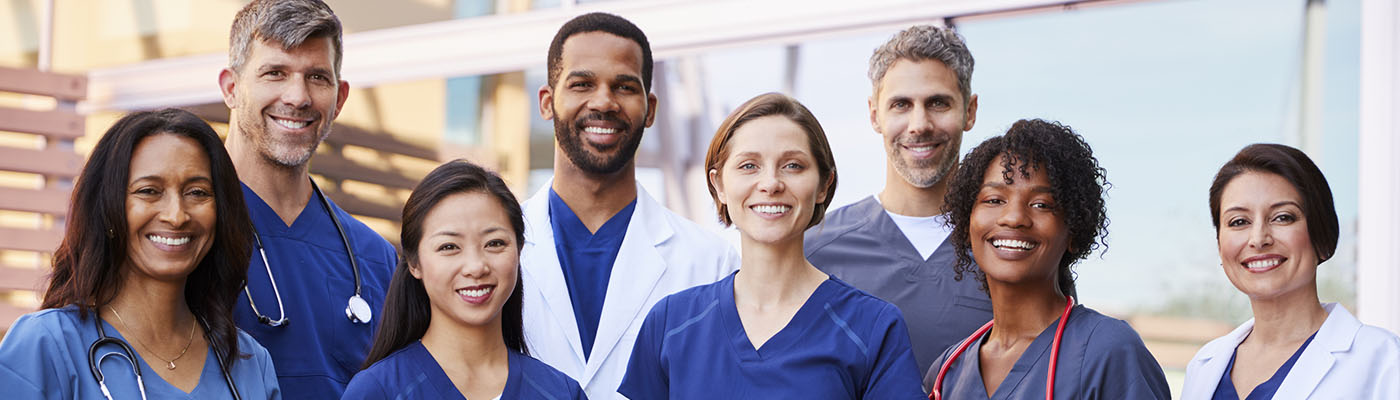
319, 349
45, 356
413, 373
587, 260
841, 344
1225, 390
1100, 358
861, 245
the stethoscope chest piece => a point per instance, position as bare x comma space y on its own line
358, 310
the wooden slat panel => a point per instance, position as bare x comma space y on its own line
361, 206
47, 162
29, 81
336, 168
40, 240
48, 201
384, 142
54, 124
15, 278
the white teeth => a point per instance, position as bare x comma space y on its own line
1261, 264
600, 131
921, 148
1013, 244
474, 292
292, 124
771, 209
168, 241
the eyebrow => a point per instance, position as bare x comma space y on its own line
197, 178
451, 233
755, 154
590, 75
312, 70
941, 96
1271, 207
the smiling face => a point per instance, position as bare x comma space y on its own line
284, 100
1263, 237
599, 105
1017, 237
468, 260
921, 113
170, 210
769, 180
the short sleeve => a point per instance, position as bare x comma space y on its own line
893, 375
646, 376
29, 360
364, 387
273, 391
1122, 368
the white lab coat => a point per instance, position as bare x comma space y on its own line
662, 253
1346, 360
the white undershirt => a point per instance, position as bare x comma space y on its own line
925, 233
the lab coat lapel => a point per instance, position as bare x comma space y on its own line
542, 271
634, 274
1212, 365
1335, 336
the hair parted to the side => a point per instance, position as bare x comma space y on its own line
774, 104
87, 266
407, 311
597, 22
288, 23
1077, 184
1294, 166
921, 43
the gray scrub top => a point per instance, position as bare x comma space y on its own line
861, 245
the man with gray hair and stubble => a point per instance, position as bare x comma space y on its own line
317, 274
894, 244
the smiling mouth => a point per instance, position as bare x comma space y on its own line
600, 131
1265, 264
291, 124
771, 209
1015, 245
168, 241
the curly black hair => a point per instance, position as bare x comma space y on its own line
1077, 184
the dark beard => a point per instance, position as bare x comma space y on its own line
569, 135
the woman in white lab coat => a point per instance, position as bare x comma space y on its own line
1275, 222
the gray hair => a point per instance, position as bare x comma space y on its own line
925, 42
286, 22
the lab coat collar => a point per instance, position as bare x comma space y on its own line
1336, 335
638, 267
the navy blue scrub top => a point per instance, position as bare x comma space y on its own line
319, 349
587, 260
1225, 390
842, 344
1100, 358
413, 373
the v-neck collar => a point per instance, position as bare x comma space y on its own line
789, 335
1036, 354
260, 210
511, 390
150, 376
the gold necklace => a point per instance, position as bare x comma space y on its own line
169, 364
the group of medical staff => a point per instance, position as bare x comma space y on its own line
198, 268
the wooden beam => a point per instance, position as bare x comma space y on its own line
30, 81
19, 278
53, 124
53, 162
47, 201
381, 141
335, 167
361, 206
38, 240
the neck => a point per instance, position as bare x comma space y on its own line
775, 273
901, 198
465, 349
593, 198
286, 189
1022, 313
1287, 319
152, 310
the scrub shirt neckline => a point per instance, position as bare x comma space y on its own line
1023, 368
263, 209
512, 373
149, 374
787, 336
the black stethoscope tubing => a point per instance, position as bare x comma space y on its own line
95, 364
357, 310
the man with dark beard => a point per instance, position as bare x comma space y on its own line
599, 251
317, 274
894, 244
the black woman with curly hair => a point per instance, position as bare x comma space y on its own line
1026, 206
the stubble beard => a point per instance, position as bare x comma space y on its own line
570, 137
920, 176
278, 153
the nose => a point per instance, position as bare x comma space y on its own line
920, 121
603, 100
475, 267
1260, 236
296, 93
1013, 216
173, 210
769, 182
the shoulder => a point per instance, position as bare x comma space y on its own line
857, 309
374, 381
543, 377
690, 301
362, 236
248, 345
1106, 332
843, 221
40, 328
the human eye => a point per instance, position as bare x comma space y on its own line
1237, 222
496, 244
794, 166
199, 192
146, 191
320, 78
899, 105
627, 88
447, 247
1285, 218
580, 85
1045, 205
274, 74
746, 166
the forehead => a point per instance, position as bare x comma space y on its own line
1258, 188
313, 52
995, 172
772, 134
168, 154
601, 52
465, 212
919, 79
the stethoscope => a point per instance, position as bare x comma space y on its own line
357, 310
95, 362
1054, 354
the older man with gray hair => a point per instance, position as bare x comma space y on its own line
894, 244
317, 275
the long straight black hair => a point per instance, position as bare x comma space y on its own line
407, 312
87, 264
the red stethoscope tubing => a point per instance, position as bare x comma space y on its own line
1054, 354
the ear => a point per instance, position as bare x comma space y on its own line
826, 188
227, 80
714, 182
415, 271
874, 120
971, 113
651, 108
546, 102
342, 93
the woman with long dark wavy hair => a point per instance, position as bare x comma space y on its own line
452, 323
156, 247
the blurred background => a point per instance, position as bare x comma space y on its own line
1165, 91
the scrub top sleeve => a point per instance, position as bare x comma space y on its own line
1121, 367
893, 375
269, 374
29, 360
646, 374
364, 387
